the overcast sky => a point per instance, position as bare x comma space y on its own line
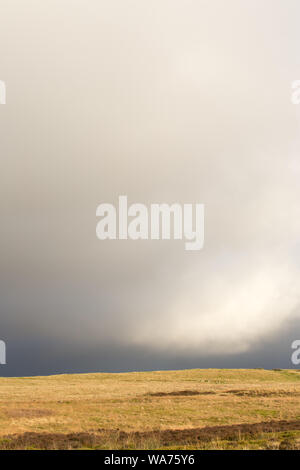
183, 101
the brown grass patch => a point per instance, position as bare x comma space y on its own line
208, 433
263, 393
28, 413
179, 393
163, 438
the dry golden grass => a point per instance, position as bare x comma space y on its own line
152, 410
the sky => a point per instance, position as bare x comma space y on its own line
168, 101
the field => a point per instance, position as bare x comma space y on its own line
190, 409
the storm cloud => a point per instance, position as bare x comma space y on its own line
167, 101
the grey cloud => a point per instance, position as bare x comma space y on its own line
172, 101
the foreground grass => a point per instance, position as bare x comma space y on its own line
192, 409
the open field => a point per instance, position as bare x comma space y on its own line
190, 409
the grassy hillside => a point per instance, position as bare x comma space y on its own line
205, 409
